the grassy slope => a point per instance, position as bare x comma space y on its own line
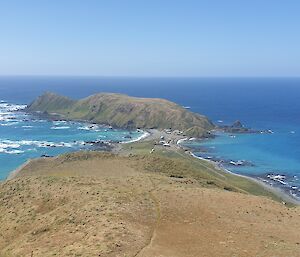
141, 204
51, 102
56, 208
124, 111
181, 164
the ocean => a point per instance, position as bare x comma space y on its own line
259, 103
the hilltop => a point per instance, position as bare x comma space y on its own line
143, 205
123, 111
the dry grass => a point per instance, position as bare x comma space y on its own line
96, 204
60, 215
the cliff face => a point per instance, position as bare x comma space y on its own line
124, 112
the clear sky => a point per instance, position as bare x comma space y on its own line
150, 37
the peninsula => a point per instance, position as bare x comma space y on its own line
143, 204
145, 198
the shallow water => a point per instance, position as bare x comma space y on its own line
260, 103
257, 155
23, 137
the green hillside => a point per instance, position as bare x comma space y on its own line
123, 111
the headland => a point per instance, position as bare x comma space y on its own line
145, 198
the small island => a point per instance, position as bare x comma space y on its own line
122, 111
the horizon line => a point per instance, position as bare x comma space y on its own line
147, 76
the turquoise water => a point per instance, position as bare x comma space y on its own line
260, 103
263, 156
23, 137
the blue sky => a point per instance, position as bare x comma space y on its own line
150, 37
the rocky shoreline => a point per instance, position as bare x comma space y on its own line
273, 182
173, 139
174, 142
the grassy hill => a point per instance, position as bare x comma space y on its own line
124, 112
143, 205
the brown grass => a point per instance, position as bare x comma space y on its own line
96, 204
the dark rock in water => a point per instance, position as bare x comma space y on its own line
100, 145
278, 178
214, 159
128, 136
240, 163
267, 131
46, 156
238, 128
237, 124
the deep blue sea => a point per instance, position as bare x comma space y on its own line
259, 103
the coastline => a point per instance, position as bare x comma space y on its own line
16, 171
115, 149
143, 136
175, 143
275, 190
